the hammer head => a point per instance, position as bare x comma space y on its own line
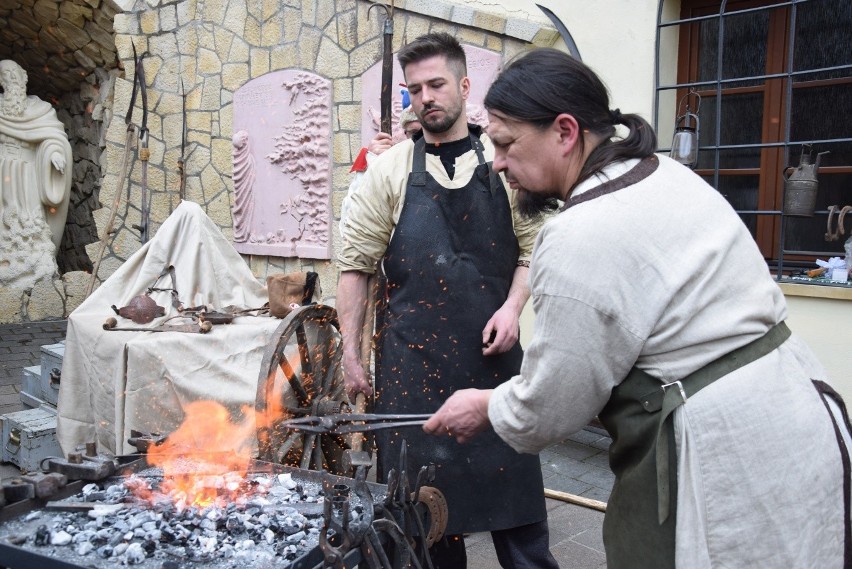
352, 459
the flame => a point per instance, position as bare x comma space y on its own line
205, 460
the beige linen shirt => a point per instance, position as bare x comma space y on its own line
665, 276
373, 211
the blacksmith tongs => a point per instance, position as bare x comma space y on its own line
343, 423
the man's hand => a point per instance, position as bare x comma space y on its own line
355, 378
501, 332
380, 143
58, 161
463, 416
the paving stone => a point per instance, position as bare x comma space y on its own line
574, 450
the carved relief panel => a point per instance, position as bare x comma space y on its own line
482, 67
282, 166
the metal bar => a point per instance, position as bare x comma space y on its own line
736, 13
772, 144
788, 106
754, 77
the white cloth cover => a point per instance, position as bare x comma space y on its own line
113, 381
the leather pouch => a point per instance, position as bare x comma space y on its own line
289, 290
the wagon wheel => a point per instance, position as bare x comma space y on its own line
301, 374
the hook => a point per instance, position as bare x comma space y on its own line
829, 234
388, 11
691, 91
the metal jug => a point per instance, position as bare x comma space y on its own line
800, 186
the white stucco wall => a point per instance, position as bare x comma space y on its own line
615, 38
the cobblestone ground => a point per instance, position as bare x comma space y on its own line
20, 347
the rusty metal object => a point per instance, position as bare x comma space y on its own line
46, 485
199, 327
830, 234
17, 490
144, 441
436, 504
387, 66
344, 423
801, 184
141, 309
80, 467
841, 221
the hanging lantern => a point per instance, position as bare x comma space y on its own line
685, 138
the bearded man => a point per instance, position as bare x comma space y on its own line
454, 248
35, 181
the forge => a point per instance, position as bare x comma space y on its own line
270, 516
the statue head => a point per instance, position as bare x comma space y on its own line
13, 79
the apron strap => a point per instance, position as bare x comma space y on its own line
672, 395
493, 179
417, 177
841, 424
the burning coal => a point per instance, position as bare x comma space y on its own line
137, 521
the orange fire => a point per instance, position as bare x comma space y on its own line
205, 460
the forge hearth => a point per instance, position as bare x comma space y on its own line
271, 517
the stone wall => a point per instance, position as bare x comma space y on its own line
85, 114
216, 47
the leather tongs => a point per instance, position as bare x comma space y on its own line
344, 423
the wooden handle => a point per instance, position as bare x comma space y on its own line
574, 499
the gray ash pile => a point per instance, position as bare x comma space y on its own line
255, 520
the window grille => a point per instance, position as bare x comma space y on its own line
783, 70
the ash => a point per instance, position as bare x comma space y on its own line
278, 521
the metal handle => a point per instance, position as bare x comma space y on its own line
15, 439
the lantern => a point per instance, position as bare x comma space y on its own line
685, 138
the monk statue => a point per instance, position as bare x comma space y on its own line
35, 181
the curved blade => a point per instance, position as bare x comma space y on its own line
563, 31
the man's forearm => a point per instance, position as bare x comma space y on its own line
351, 307
519, 291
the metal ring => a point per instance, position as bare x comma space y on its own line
829, 234
841, 230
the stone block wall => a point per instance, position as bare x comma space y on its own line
214, 48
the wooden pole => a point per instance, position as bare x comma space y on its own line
574, 499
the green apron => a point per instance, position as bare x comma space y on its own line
639, 527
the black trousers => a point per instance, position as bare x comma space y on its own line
524, 547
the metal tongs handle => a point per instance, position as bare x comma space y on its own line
344, 423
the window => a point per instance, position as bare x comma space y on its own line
772, 76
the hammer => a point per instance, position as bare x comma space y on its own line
112, 324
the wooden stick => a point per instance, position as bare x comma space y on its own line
574, 499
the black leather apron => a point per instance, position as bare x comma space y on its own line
449, 266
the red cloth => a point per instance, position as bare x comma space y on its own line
360, 164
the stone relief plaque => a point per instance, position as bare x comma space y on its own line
482, 67
282, 166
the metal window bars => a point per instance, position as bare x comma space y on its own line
789, 74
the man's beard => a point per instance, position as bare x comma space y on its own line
437, 126
14, 101
534, 205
